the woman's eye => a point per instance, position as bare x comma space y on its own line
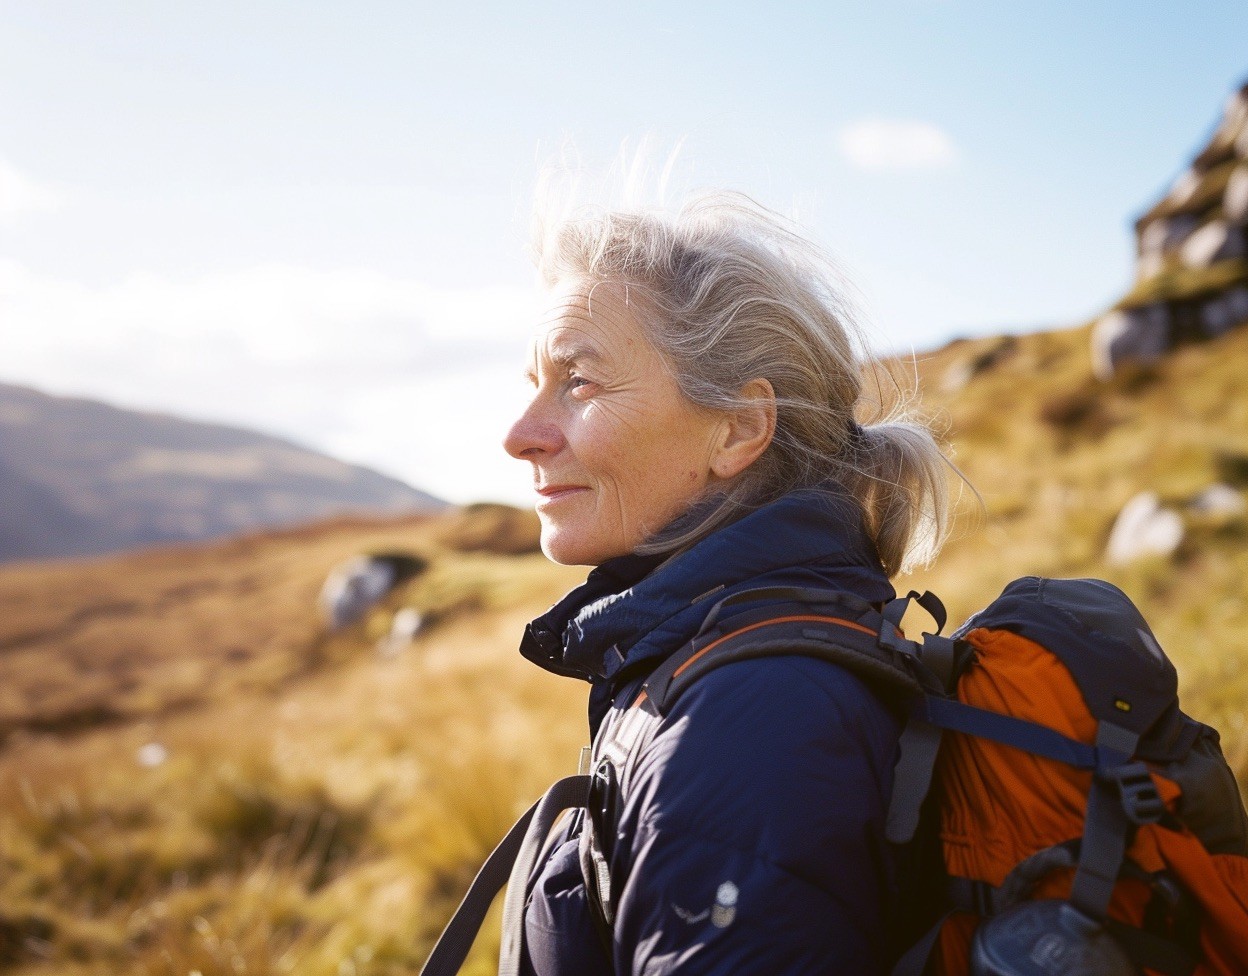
576, 382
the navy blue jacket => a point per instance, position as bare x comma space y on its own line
751, 841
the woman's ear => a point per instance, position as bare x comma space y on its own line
747, 431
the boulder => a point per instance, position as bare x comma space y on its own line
1140, 335
1143, 528
1235, 199
1221, 313
1150, 264
1231, 125
1164, 234
357, 583
1219, 500
1185, 186
1215, 241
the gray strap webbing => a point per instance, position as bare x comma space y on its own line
919, 746
1105, 826
569, 792
452, 947
912, 778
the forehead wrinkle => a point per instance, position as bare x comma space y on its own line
560, 354
562, 341
566, 355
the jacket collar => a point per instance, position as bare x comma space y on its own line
634, 609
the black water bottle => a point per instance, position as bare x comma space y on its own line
1047, 938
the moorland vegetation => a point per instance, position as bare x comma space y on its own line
196, 777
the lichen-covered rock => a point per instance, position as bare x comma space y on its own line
1235, 199
1219, 500
1215, 241
1165, 234
357, 583
1138, 335
1221, 313
1191, 255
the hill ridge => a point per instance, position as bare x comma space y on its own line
81, 477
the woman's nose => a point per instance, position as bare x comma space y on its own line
534, 433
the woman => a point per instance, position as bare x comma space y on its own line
692, 432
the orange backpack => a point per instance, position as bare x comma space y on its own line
1075, 658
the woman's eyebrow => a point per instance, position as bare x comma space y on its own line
562, 357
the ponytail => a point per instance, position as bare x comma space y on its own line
900, 478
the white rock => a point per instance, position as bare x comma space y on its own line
1215, 241
1139, 335
151, 754
1143, 528
1152, 239
405, 627
1219, 500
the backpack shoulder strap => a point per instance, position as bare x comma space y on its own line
514, 858
829, 625
843, 629
786, 621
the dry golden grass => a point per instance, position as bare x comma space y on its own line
323, 806
322, 809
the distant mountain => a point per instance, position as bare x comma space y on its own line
79, 477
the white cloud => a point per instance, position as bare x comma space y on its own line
19, 194
418, 381
896, 144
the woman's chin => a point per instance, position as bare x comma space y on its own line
564, 551
568, 547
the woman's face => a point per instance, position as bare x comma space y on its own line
617, 451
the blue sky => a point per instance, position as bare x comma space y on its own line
311, 218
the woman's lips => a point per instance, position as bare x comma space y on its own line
553, 493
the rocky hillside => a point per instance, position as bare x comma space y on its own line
1191, 255
196, 774
79, 477
1056, 454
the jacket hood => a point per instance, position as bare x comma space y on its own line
636, 610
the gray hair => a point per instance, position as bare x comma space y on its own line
730, 292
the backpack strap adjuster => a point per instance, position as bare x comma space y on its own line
1140, 800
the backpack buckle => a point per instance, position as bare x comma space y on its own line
1140, 799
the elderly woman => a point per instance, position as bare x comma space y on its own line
692, 433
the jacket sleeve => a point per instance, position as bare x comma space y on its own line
752, 836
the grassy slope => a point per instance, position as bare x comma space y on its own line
1055, 455
323, 806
